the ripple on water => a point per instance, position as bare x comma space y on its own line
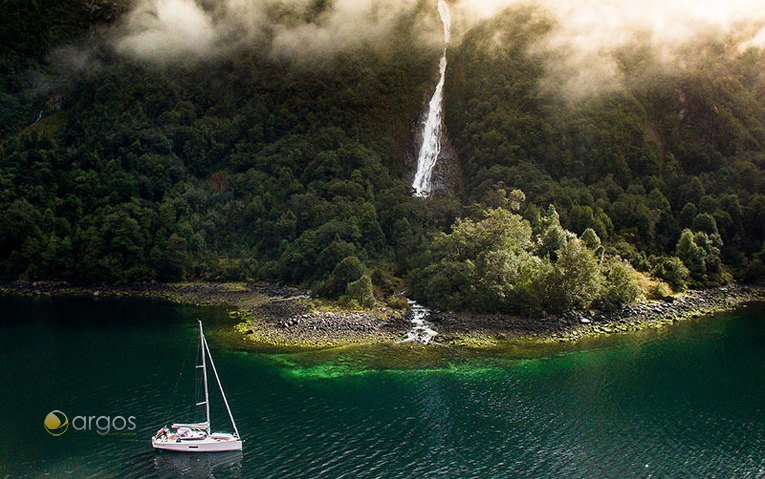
685, 402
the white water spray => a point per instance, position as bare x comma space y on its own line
421, 331
431, 132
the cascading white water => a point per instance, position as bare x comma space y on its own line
421, 331
431, 132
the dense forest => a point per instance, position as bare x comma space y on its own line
248, 167
663, 171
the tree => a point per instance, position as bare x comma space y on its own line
508, 280
590, 238
361, 291
692, 256
706, 223
575, 280
553, 240
688, 215
671, 270
620, 287
449, 284
755, 271
19, 221
700, 252
347, 271
482, 264
284, 184
171, 262
582, 218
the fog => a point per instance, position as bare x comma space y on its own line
183, 30
588, 34
585, 37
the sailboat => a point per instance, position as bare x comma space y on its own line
198, 437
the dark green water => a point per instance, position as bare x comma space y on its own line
688, 401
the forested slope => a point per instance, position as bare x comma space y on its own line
236, 168
667, 163
250, 167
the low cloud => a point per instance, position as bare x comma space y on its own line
166, 31
161, 30
585, 41
589, 34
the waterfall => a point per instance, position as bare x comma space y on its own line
431, 132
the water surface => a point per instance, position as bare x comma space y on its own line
687, 401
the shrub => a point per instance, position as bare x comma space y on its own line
575, 280
397, 301
659, 290
361, 291
672, 270
620, 286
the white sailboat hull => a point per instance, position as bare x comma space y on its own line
208, 444
197, 437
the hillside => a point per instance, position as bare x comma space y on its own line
239, 168
247, 166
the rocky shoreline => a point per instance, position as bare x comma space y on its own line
265, 315
488, 330
271, 316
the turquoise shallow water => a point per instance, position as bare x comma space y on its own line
687, 401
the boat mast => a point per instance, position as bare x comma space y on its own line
203, 344
220, 386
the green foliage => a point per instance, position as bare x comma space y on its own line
672, 270
347, 271
659, 290
575, 281
590, 238
496, 263
636, 164
361, 292
620, 287
755, 271
171, 259
397, 301
691, 254
481, 264
553, 241
151, 173
138, 172
553, 235
706, 223
700, 253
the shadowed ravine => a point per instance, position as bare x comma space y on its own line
634, 405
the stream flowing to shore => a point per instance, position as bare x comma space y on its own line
422, 331
430, 148
686, 401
